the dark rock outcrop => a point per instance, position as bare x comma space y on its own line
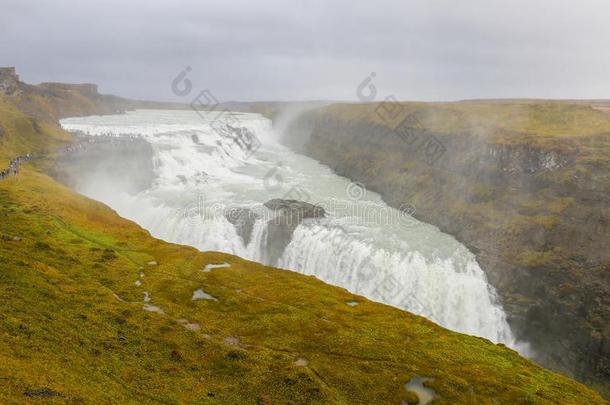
290, 213
9, 81
243, 219
296, 209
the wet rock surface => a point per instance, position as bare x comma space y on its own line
296, 208
243, 219
290, 213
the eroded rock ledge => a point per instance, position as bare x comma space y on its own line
290, 213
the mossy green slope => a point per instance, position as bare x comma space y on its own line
74, 327
21, 134
73, 322
502, 121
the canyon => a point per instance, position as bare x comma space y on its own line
529, 201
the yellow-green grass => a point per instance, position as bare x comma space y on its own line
501, 121
22, 134
64, 329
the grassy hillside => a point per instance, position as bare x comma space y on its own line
76, 327
545, 118
74, 323
21, 134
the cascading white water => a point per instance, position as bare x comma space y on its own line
450, 291
362, 244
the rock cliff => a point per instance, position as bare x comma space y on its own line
528, 196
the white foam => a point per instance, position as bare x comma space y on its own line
450, 291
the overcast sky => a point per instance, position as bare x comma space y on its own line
297, 50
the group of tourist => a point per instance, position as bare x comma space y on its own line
13, 167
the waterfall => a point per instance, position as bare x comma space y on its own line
202, 171
452, 292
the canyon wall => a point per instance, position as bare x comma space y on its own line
531, 203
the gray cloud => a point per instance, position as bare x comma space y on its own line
287, 50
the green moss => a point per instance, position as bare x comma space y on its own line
483, 193
535, 259
547, 221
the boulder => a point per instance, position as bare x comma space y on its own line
243, 219
294, 207
290, 213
